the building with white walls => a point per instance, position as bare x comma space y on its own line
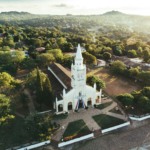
80, 95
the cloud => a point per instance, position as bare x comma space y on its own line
62, 5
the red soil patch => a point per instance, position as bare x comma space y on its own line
116, 85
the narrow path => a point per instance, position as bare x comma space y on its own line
30, 104
113, 105
117, 116
92, 125
20, 115
60, 133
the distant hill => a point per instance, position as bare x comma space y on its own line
111, 18
113, 12
17, 16
15, 13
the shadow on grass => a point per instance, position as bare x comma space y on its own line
105, 121
76, 129
104, 105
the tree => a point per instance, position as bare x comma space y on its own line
131, 54
28, 63
118, 67
144, 76
107, 56
39, 127
7, 82
18, 57
94, 79
126, 99
57, 54
45, 59
144, 103
37, 42
89, 58
48, 93
67, 47
31, 80
117, 50
146, 55
9, 42
146, 91
5, 58
61, 41
5, 111
39, 88
67, 60
134, 72
6, 48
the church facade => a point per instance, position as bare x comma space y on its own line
80, 95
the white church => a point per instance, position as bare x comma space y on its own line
80, 95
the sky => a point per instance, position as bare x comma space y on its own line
76, 7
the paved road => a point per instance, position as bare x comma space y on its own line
123, 140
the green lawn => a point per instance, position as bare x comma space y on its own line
14, 135
104, 105
106, 121
76, 129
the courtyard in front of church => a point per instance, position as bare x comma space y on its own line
88, 116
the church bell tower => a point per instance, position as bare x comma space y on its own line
78, 71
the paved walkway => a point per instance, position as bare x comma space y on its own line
86, 115
117, 116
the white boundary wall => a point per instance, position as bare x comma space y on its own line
76, 140
140, 118
43, 112
35, 145
116, 127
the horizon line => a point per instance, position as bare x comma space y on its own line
95, 14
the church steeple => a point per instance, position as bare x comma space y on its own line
79, 53
78, 70
79, 58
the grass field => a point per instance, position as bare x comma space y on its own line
105, 121
104, 105
76, 128
115, 85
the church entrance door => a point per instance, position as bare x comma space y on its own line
81, 105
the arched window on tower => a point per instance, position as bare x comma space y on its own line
79, 93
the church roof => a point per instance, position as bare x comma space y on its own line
79, 53
56, 86
62, 73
